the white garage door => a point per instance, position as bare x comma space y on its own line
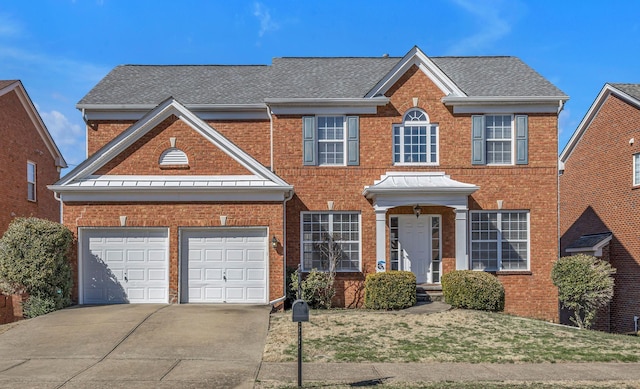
224, 265
124, 265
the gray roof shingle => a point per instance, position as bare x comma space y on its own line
308, 77
631, 89
589, 241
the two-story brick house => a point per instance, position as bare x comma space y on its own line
599, 195
203, 183
29, 162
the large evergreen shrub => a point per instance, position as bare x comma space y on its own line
585, 284
390, 290
473, 290
34, 259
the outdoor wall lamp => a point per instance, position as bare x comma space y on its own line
417, 210
274, 242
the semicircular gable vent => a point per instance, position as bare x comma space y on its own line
174, 156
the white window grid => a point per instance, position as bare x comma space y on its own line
499, 138
342, 227
31, 181
416, 140
331, 140
500, 240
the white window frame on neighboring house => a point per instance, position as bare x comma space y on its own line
636, 169
32, 181
496, 234
315, 227
416, 141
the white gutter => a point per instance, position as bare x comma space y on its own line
457, 100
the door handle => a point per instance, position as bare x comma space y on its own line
224, 277
125, 278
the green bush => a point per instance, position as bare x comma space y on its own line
390, 290
584, 285
473, 290
33, 259
317, 288
36, 306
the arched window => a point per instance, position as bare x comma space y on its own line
415, 141
173, 156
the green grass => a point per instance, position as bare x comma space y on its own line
459, 385
452, 336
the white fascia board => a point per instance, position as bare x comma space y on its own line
204, 115
335, 106
505, 104
168, 195
606, 90
415, 56
37, 121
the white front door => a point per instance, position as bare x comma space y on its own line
419, 246
221, 265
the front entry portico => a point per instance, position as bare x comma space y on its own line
396, 189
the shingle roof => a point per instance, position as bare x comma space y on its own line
589, 241
309, 77
631, 89
6, 83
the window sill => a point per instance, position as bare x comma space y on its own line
514, 273
174, 167
415, 164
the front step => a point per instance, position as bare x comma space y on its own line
429, 293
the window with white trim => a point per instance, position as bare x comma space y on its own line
31, 181
415, 141
500, 240
330, 140
500, 140
330, 235
636, 169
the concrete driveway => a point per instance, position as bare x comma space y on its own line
136, 346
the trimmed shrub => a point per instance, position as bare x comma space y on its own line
33, 259
473, 290
317, 288
585, 284
390, 290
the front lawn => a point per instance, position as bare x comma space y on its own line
452, 336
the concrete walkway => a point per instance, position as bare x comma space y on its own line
364, 374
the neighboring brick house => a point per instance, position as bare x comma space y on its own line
600, 194
203, 183
30, 161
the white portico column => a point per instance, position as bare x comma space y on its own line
381, 238
462, 258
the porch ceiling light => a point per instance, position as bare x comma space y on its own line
417, 210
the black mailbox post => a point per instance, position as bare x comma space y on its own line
300, 310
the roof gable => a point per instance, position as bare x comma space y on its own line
7, 86
84, 178
415, 56
629, 93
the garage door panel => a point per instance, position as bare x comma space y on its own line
235, 260
124, 265
255, 275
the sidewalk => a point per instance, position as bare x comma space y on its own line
375, 373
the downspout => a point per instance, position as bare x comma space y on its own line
270, 137
288, 197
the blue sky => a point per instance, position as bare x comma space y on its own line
61, 48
